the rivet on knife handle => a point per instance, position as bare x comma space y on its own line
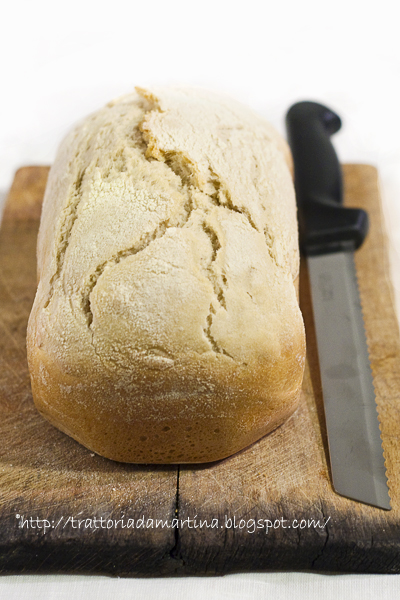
329, 235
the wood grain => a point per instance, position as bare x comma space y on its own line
284, 476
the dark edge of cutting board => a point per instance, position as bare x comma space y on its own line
285, 475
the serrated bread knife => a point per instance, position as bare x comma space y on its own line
329, 235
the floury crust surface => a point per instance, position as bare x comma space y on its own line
166, 326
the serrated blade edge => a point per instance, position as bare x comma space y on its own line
355, 445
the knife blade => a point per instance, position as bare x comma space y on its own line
330, 233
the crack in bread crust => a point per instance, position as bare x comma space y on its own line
215, 194
183, 168
71, 214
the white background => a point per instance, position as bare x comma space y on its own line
63, 60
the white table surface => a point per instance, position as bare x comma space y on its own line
63, 60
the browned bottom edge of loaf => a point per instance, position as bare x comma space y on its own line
172, 453
183, 429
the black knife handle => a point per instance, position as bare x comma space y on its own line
325, 225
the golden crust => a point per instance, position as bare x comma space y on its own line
166, 327
142, 421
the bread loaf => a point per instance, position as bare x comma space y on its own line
166, 325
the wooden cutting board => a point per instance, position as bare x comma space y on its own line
64, 509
